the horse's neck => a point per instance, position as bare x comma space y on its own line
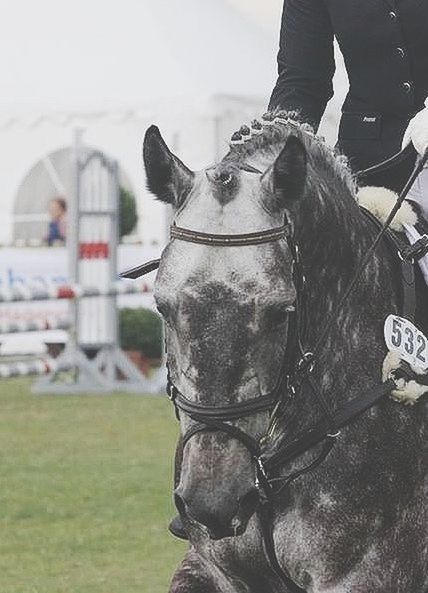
333, 240
332, 246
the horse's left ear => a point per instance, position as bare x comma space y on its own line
284, 181
167, 177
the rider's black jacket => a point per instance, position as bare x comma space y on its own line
385, 47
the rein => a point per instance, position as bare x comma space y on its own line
410, 182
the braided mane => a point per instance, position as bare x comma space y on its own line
268, 136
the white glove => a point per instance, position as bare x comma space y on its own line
417, 131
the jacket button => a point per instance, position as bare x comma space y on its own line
393, 15
401, 52
407, 87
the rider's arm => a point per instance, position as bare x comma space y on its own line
305, 60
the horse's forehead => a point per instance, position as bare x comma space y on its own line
245, 271
244, 213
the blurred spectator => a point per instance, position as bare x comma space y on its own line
58, 223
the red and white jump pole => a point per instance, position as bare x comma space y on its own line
21, 292
27, 369
92, 243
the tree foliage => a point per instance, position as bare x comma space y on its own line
141, 329
128, 216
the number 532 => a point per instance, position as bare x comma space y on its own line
404, 338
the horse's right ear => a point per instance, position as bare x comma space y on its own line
167, 177
284, 181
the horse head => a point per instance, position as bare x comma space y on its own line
226, 314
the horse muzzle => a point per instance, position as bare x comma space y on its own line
216, 518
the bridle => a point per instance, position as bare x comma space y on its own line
218, 418
296, 367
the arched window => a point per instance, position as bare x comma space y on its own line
49, 178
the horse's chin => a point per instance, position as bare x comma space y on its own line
227, 533
220, 533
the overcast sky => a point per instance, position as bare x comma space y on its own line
265, 12
59, 54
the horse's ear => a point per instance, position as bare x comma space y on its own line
284, 181
167, 177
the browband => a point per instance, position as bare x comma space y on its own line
255, 238
182, 234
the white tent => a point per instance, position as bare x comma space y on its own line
67, 55
112, 70
33, 152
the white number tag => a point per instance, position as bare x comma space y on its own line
403, 337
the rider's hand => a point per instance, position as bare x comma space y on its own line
417, 131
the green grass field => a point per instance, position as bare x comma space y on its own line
85, 493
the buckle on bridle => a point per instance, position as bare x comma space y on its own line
171, 392
262, 480
273, 423
307, 362
334, 436
291, 389
415, 251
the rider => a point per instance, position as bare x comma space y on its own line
385, 48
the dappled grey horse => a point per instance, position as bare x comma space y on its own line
356, 520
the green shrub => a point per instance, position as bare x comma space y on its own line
141, 329
128, 217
